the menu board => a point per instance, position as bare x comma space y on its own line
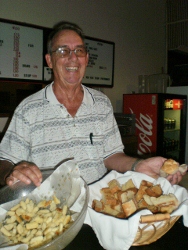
21, 52
100, 69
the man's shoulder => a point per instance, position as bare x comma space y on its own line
32, 100
37, 96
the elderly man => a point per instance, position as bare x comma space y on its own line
67, 119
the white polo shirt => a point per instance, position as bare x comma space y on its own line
42, 131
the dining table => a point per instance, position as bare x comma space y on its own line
175, 238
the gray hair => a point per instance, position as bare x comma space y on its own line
63, 26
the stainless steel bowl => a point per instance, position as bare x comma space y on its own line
20, 189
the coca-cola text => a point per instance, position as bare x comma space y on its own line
145, 127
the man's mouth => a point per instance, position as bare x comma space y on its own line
72, 68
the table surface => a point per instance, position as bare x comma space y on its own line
175, 238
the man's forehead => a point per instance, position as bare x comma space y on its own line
67, 36
67, 33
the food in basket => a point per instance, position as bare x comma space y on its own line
170, 166
35, 224
121, 201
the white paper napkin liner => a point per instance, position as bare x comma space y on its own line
119, 234
57, 183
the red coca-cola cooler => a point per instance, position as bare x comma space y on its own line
160, 123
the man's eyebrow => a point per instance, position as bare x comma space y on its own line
66, 46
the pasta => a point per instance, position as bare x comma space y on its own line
35, 224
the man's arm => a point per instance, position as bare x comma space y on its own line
119, 162
151, 166
6, 168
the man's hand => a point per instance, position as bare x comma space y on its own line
176, 178
151, 167
26, 172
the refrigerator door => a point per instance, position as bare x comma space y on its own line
145, 107
160, 123
182, 90
173, 141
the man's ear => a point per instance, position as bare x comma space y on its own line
48, 60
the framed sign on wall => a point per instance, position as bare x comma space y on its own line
100, 69
21, 51
23, 48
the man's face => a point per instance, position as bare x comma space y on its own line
70, 69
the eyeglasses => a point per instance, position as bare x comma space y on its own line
66, 52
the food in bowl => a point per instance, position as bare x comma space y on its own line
71, 189
121, 201
35, 224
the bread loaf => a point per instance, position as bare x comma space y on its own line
114, 186
97, 205
127, 185
154, 191
164, 203
183, 168
129, 207
170, 166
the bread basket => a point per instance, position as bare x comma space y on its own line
152, 231
141, 228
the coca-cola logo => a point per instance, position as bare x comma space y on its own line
145, 127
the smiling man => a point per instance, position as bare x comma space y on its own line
68, 57
67, 119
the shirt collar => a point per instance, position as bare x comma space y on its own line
88, 97
87, 100
50, 96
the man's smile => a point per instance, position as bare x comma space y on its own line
72, 68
